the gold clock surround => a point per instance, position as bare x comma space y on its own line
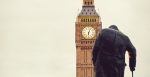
88, 32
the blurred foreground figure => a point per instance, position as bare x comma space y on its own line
109, 53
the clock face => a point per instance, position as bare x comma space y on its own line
88, 32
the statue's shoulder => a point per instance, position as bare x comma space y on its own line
112, 31
107, 30
122, 34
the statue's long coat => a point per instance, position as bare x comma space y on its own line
109, 53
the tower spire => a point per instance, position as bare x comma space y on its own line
88, 2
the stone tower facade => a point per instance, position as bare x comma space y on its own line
87, 26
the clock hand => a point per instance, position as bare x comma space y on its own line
89, 31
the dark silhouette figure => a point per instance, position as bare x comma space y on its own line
109, 53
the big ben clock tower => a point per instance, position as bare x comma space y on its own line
88, 25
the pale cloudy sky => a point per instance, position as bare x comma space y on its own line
37, 36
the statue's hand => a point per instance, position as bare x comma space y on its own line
132, 68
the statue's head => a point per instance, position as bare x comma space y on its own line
114, 27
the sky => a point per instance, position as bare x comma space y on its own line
37, 37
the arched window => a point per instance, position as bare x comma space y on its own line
92, 20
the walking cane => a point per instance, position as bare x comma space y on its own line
132, 73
